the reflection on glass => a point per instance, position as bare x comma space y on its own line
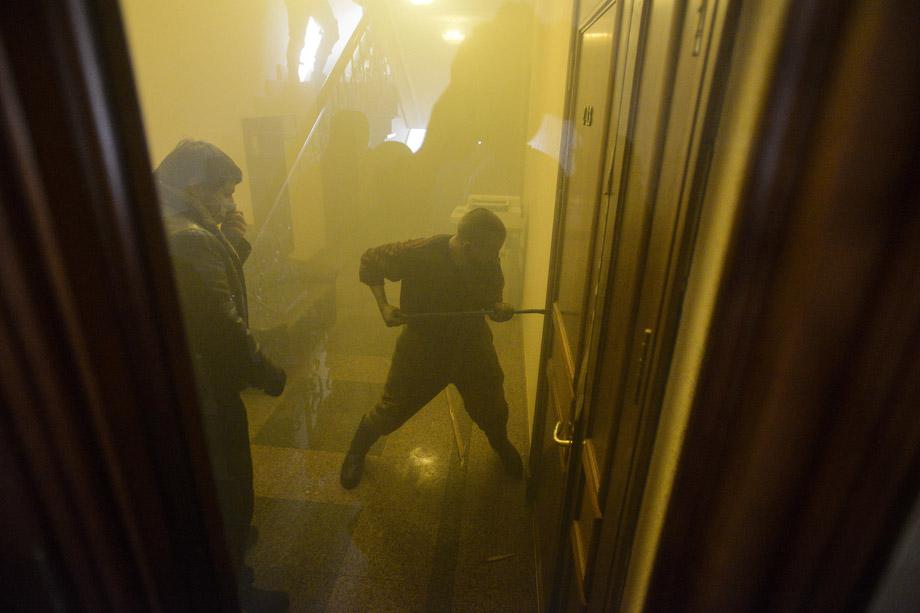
354, 125
207, 245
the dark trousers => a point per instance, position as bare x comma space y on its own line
422, 366
227, 431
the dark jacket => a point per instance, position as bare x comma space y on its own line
431, 282
212, 289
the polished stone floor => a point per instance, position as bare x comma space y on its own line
435, 525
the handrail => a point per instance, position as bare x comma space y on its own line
338, 70
317, 112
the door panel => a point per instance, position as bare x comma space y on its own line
633, 20
620, 240
659, 211
625, 344
575, 257
580, 210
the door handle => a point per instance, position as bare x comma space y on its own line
565, 442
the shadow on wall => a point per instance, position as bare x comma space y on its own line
477, 134
475, 144
342, 166
390, 177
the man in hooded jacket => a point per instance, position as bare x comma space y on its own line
196, 182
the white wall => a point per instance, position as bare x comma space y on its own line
199, 66
552, 33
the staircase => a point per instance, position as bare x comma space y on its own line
293, 269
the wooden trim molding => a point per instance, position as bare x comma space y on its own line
579, 556
802, 452
561, 344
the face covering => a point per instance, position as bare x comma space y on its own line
219, 207
227, 206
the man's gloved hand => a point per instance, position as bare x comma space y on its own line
275, 379
234, 226
502, 311
392, 316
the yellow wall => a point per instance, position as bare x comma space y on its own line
199, 66
202, 65
550, 55
756, 45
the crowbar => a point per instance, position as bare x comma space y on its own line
479, 313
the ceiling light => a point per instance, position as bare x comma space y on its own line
453, 36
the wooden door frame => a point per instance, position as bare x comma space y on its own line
101, 415
621, 513
538, 431
782, 499
540, 405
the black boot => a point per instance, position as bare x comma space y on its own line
257, 600
252, 537
352, 469
510, 458
353, 466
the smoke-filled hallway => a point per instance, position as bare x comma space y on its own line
435, 525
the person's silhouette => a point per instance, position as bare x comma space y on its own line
392, 191
299, 13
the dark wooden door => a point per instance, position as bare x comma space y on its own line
577, 229
660, 188
620, 241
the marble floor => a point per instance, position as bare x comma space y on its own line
435, 524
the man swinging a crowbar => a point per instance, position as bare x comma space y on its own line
449, 284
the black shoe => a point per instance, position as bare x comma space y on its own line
255, 600
511, 459
352, 469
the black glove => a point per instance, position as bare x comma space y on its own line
274, 379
